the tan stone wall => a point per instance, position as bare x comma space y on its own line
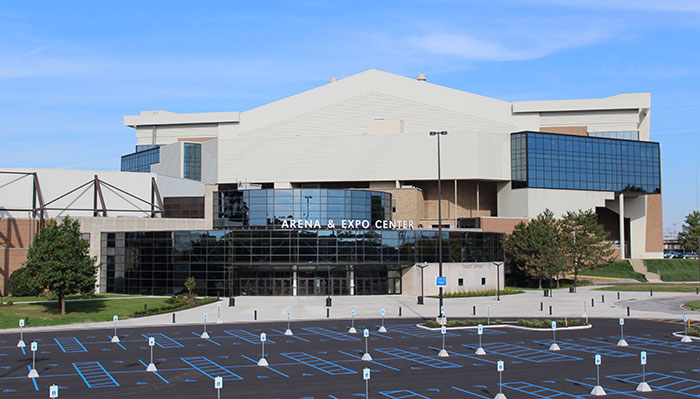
655, 230
409, 204
500, 225
15, 237
466, 200
570, 130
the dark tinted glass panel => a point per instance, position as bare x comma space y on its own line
554, 161
140, 161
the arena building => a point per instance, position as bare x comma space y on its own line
335, 190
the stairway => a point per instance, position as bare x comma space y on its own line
640, 267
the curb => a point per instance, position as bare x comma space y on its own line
583, 327
681, 334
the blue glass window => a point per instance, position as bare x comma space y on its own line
556, 161
192, 165
140, 161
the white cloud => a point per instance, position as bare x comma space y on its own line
509, 47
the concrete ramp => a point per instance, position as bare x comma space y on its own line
640, 266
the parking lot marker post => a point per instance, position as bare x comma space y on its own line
53, 391
352, 329
32, 372
365, 376
554, 347
21, 343
500, 367
686, 339
288, 331
643, 386
263, 361
151, 367
597, 390
218, 384
622, 341
382, 329
366, 357
218, 314
115, 338
480, 331
205, 334
488, 314
443, 352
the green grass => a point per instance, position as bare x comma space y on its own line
462, 322
505, 291
547, 323
674, 269
655, 287
618, 269
534, 323
694, 305
49, 313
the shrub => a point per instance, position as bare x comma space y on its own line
20, 283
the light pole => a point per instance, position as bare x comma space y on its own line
498, 279
421, 266
328, 287
438, 134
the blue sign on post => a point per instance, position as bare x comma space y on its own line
441, 281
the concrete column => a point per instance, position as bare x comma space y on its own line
351, 273
294, 282
477, 199
622, 226
455, 203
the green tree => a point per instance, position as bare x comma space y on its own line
60, 262
190, 284
22, 283
585, 242
690, 231
537, 247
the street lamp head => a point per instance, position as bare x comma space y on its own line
435, 133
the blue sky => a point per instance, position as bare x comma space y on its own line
70, 71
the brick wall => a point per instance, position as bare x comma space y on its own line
15, 237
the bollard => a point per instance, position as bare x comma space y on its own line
399, 310
618, 294
145, 306
602, 299
474, 310
328, 313
550, 310
231, 301
651, 292
628, 311
541, 306
255, 315
592, 303
173, 318
697, 291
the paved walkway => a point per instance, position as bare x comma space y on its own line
662, 305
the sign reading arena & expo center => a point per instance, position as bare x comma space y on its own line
349, 224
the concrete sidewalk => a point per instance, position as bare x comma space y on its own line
663, 305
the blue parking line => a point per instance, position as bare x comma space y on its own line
318, 363
539, 391
610, 391
207, 367
268, 367
405, 394
471, 393
154, 372
247, 336
324, 332
118, 343
527, 354
661, 381
36, 387
470, 356
566, 345
70, 344
417, 358
23, 351
292, 336
208, 339
94, 375
169, 342
614, 344
372, 361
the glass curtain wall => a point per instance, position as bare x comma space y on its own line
555, 161
157, 263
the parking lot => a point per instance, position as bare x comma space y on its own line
321, 360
